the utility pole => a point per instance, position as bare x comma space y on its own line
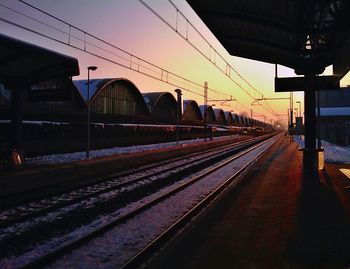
205, 109
90, 68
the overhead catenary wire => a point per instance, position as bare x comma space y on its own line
228, 67
85, 49
133, 60
99, 39
206, 40
184, 37
70, 36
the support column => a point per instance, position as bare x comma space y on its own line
310, 163
291, 113
319, 144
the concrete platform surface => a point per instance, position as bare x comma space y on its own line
276, 218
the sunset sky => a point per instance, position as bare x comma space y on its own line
129, 25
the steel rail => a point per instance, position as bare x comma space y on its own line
88, 235
88, 194
172, 231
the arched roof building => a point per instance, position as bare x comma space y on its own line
210, 115
113, 96
191, 112
161, 105
235, 119
248, 121
229, 118
220, 116
241, 120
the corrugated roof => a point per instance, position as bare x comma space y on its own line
229, 117
306, 36
187, 103
210, 111
220, 116
152, 98
219, 112
95, 85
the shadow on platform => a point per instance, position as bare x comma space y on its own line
323, 229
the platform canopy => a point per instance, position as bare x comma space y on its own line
305, 35
22, 63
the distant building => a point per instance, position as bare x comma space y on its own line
220, 117
229, 118
51, 100
113, 99
161, 105
191, 112
55, 100
209, 114
335, 116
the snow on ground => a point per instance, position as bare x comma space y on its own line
333, 153
77, 156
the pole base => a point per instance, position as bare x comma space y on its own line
310, 161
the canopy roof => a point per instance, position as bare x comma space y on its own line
25, 64
305, 35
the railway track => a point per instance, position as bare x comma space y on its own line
115, 201
110, 183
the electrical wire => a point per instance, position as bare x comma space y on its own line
186, 38
175, 80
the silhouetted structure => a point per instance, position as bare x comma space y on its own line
229, 118
23, 65
113, 98
306, 36
335, 116
191, 112
161, 105
209, 114
220, 116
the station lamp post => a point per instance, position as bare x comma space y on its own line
298, 102
231, 122
301, 121
90, 68
178, 114
211, 127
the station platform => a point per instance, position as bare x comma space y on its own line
275, 218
